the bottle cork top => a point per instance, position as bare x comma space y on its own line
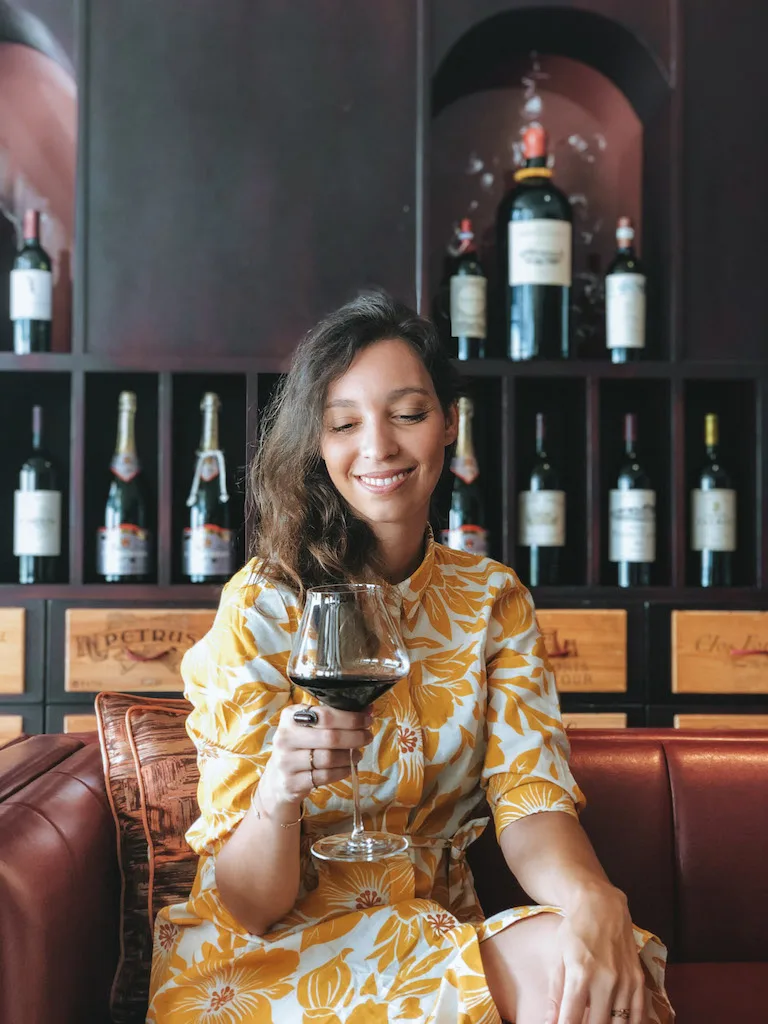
127, 401
465, 228
711, 431
625, 230
466, 407
534, 142
31, 224
210, 400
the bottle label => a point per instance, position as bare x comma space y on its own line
473, 539
122, 551
207, 551
209, 469
540, 252
542, 519
125, 466
714, 519
31, 294
625, 310
37, 523
632, 526
468, 306
465, 468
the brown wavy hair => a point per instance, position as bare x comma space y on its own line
305, 534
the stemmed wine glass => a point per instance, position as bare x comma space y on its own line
347, 652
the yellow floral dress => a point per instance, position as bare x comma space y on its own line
478, 716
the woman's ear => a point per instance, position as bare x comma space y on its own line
452, 424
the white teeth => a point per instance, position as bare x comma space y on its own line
371, 481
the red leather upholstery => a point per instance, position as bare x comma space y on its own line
680, 822
22, 762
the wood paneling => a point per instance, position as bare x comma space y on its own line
720, 722
594, 720
12, 647
719, 652
587, 648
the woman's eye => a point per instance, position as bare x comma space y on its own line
415, 417
341, 428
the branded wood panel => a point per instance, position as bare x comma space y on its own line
595, 720
131, 649
587, 648
11, 726
12, 650
721, 721
79, 723
719, 652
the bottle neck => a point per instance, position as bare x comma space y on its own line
37, 428
465, 448
540, 437
126, 438
209, 438
536, 161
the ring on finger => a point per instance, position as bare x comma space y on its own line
312, 767
306, 717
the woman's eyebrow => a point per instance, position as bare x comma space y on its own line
346, 403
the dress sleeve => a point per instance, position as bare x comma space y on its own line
235, 678
526, 760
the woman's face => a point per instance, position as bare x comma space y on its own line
385, 433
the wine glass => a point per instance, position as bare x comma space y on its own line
348, 651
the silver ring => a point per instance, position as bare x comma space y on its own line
306, 717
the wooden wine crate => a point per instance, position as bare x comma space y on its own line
131, 649
11, 726
719, 652
79, 723
587, 648
594, 720
12, 650
721, 721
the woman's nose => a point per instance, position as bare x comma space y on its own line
379, 442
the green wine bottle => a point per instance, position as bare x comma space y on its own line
31, 291
207, 542
466, 518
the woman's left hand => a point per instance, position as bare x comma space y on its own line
597, 963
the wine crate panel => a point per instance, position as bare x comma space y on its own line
719, 652
721, 721
12, 650
11, 726
79, 723
595, 720
131, 649
587, 648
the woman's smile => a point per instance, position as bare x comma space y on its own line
386, 482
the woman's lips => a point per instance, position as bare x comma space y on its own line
384, 485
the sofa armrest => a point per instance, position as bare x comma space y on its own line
59, 896
22, 761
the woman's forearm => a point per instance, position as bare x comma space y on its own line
552, 858
258, 868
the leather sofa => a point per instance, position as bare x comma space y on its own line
679, 820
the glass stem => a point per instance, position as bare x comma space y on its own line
357, 828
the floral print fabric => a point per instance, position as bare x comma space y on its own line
477, 718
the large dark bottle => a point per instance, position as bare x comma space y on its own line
541, 518
123, 552
535, 242
31, 291
469, 290
207, 550
37, 513
713, 515
625, 298
632, 518
466, 518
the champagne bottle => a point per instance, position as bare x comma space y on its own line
632, 519
207, 543
713, 515
541, 515
469, 289
123, 552
625, 298
37, 513
534, 228
466, 518
31, 291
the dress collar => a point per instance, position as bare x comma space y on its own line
412, 589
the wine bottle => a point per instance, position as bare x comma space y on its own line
535, 241
123, 551
207, 542
541, 517
469, 290
625, 298
37, 513
31, 291
466, 517
632, 523
713, 514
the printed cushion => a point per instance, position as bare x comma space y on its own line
150, 770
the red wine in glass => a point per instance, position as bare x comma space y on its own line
348, 652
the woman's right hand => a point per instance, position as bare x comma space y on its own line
287, 778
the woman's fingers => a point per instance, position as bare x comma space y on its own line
555, 993
575, 996
327, 718
329, 739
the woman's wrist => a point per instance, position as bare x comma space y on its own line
586, 894
277, 805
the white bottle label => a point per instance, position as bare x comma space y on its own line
31, 294
125, 466
473, 539
632, 526
207, 551
468, 306
37, 523
541, 515
122, 551
625, 310
540, 252
465, 468
713, 514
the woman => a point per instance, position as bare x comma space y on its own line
342, 487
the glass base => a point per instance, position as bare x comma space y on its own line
366, 846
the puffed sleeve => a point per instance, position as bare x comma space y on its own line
235, 677
526, 760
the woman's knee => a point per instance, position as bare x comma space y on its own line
518, 963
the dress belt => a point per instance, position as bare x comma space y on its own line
458, 869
